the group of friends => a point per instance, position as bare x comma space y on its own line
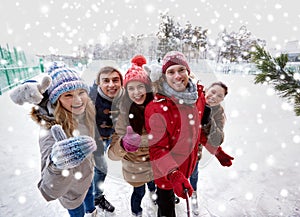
155, 127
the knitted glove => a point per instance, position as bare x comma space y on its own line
70, 152
131, 141
224, 159
30, 91
180, 184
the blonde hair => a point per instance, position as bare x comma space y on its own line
66, 119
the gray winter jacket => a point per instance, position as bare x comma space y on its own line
70, 189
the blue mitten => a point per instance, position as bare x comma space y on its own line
31, 91
70, 152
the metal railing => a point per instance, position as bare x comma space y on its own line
12, 76
16, 67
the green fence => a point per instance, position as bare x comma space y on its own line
12, 76
16, 67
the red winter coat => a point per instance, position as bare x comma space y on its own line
174, 134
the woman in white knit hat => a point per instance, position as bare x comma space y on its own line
66, 116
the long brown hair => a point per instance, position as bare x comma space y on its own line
68, 122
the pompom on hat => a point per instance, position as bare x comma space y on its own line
63, 80
174, 58
136, 71
139, 60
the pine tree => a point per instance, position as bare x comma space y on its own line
275, 71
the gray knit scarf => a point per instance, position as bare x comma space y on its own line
189, 96
103, 95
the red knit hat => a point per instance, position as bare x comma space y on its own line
136, 72
174, 58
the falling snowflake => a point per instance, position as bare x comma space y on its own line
78, 175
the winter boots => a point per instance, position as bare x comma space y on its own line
93, 214
137, 215
176, 200
153, 197
194, 201
104, 204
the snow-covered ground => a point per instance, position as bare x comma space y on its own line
262, 133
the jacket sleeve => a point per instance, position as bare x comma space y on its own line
201, 107
116, 151
216, 135
53, 183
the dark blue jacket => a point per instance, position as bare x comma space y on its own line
103, 113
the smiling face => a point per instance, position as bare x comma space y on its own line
110, 83
136, 91
177, 77
214, 95
74, 101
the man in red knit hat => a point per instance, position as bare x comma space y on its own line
172, 121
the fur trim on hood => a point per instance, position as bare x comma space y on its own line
42, 117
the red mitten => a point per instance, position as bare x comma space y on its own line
180, 184
224, 159
131, 141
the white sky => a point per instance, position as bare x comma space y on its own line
44, 26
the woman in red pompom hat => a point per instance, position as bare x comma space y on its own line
136, 72
130, 140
